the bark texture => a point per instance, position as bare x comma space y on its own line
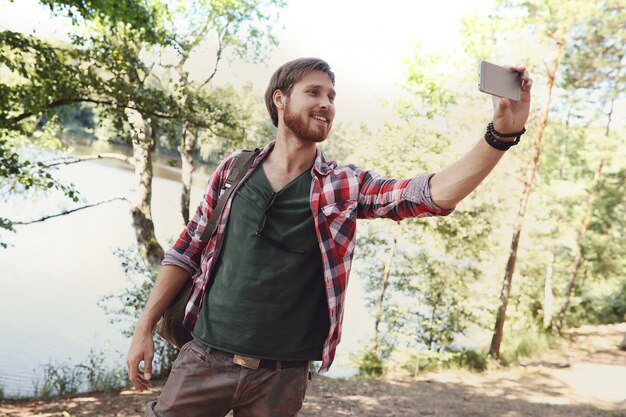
548, 296
144, 142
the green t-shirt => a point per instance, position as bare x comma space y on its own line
267, 298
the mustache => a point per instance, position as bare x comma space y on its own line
324, 114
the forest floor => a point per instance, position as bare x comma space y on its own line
585, 376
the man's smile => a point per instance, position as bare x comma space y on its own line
320, 118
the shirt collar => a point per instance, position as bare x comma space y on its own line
320, 165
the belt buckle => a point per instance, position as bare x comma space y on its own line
246, 362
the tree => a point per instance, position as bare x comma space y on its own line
596, 61
45, 77
113, 66
554, 22
243, 27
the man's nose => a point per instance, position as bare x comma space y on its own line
325, 103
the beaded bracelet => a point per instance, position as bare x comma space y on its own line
500, 144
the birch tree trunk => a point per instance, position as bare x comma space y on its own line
580, 247
383, 289
144, 141
548, 296
496, 341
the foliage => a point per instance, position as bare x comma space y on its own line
139, 14
606, 309
20, 174
448, 279
430, 297
369, 360
115, 64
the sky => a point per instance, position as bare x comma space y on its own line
364, 42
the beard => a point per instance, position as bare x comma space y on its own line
300, 126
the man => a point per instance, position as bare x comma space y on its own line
269, 286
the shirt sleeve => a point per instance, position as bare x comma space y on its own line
395, 199
187, 250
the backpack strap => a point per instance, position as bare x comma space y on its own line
241, 164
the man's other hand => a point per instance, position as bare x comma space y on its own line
141, 350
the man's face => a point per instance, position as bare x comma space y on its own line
310, 109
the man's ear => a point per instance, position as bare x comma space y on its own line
279, 99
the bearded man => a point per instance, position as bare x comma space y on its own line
269, 286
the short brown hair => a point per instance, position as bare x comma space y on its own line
287, 75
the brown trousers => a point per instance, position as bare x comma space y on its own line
206, 383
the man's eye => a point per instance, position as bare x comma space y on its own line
331, 99
313, 93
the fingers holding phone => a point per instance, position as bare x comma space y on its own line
512, 84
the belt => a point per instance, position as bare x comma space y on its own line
255, 363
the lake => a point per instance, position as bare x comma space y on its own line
54, 272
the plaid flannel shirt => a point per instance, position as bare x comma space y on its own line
339, 195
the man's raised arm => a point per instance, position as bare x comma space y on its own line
452, 184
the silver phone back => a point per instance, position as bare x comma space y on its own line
499, 81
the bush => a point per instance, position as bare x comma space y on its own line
429, 360
525, 344
472, 360
371, 356
370, 364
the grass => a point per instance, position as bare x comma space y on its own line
428, 360
526, 344
62, 378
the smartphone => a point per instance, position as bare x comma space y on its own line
499, 81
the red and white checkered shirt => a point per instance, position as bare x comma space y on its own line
339, 195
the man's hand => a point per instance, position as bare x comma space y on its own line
510, 116
141, 350
170, 280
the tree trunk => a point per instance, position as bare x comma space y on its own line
587, 221
548, 297
496, 341
383, 289
579, 250
432, 338
622, 345
144, 141
187, 145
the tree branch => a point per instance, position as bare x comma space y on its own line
68, 211
62, 102
117, 156
220, 49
